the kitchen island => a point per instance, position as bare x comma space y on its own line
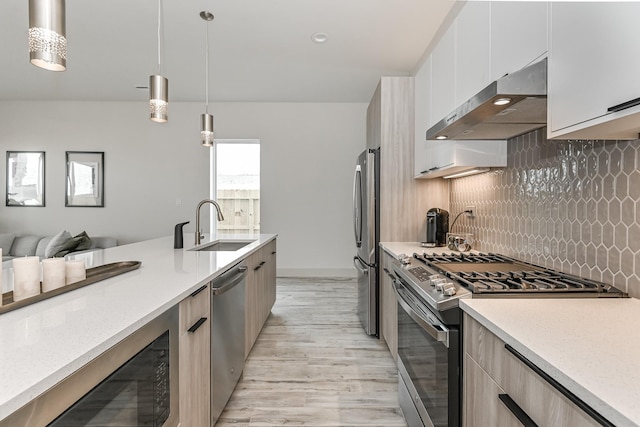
44, 343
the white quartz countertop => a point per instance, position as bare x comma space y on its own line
45, 342
590, 345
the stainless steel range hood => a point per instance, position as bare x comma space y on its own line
482, 116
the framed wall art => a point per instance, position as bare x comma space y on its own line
25, 178
85, 179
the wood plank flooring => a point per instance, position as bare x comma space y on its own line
313, 365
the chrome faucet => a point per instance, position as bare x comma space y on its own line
220, 217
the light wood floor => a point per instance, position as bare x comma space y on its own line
313, 365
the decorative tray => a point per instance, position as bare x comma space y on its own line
94, 275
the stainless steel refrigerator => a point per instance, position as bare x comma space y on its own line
366, 224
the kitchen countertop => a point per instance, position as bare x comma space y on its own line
45, 342
589, 345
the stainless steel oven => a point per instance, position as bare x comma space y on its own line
135, 383
429, 352
428, 289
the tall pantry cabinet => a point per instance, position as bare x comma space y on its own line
404, 201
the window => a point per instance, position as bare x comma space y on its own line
235, 185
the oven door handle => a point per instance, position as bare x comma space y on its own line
437, 332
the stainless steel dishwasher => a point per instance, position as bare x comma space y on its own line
227, 335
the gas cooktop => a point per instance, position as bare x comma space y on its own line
493, 274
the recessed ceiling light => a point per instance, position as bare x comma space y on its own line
441, 137
319, 37
502, 101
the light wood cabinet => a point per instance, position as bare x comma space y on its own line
590, 70
260, 291
490, 370
195, 358
390, 125
388, 305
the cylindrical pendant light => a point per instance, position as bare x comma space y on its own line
47, 34
158, 98
206, 125
206, 129
159, 85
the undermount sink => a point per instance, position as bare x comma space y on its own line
225, 245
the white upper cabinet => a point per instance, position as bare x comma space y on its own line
444, 158
519, 35
473, 51
422, 85
443, 77
594, 66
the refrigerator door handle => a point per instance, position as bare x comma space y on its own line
357, 205
363, 268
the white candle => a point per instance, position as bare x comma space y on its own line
75, 271
26, 277
53, 274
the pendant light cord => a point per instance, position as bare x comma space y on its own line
206, 71
159, 37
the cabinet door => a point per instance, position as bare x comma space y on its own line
592, 61
472, 50
519, 34
443, 76
251, 302
195, 359
388, 306
422, 87
260, 291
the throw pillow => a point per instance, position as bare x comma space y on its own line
57, 243
69, 246
84, 241
6, 240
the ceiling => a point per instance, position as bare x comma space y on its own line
260, 50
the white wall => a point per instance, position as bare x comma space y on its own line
307, 151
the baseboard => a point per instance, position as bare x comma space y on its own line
316, 272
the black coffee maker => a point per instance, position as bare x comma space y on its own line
437, 227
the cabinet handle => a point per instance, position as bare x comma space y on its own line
562, 389
273, 253
197, 325
517, 411
624, 105
256, 268
197, 291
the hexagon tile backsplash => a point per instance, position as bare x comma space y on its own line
569, 205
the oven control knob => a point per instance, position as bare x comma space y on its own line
449, 290
440, 285
437, 280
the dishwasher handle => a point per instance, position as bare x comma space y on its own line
228, 279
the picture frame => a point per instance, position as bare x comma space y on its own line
84, 183
25, 179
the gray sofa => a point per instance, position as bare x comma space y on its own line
29, 245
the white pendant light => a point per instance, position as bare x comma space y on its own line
47, 34
159, 85
206, 125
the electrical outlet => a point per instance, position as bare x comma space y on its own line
471, 210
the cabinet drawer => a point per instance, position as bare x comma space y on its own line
482, 405
194, 307
543, 402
